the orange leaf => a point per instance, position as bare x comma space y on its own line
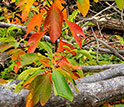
83, 6
35, 21
27, 5
45, 62
15, 55
54, 22
33, 41
29, 101
64, 61
59, 5
61, 47
26, 85
107, 105
65, 65
3, 81
39, 87
4, 47
76, 29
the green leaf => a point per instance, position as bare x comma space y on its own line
69, 78
85, 53
120, 4
45, 90
41, 85
27, 73
13, 31
73, 62
26, 76
60, 85
19, 87
8, 39
4, 47
46, 46
121, 39
119, 105
29, 58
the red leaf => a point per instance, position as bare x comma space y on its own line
17, 67
64, 64
76, 29
35, 21
15, 56
61, 47
54, 22
64, 61
33, 41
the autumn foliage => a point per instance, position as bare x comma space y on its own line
53, 69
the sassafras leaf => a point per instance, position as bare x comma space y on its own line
76, 29
27, 5
59, 5
120, 4
35, 21
54, 22
60, 85
83, 6
33, 41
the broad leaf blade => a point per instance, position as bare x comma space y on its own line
27, 5
4, 47
59, 5
33, 41
85, 53
29, 58
39, 86
54, 22
35, 21
45, 90
2, 81
62, 47
46, 46
27, 77
83, 6
76, 29
60, 85
120, 4
96, 1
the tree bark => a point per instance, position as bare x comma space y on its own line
109, 23
94, 91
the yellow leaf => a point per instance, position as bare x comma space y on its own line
83, 6
27, 5
13, 1
96, 1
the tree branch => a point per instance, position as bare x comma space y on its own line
97, 89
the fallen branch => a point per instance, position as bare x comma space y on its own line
113, 50
2, 24
98, 68
104, 50
97, 89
